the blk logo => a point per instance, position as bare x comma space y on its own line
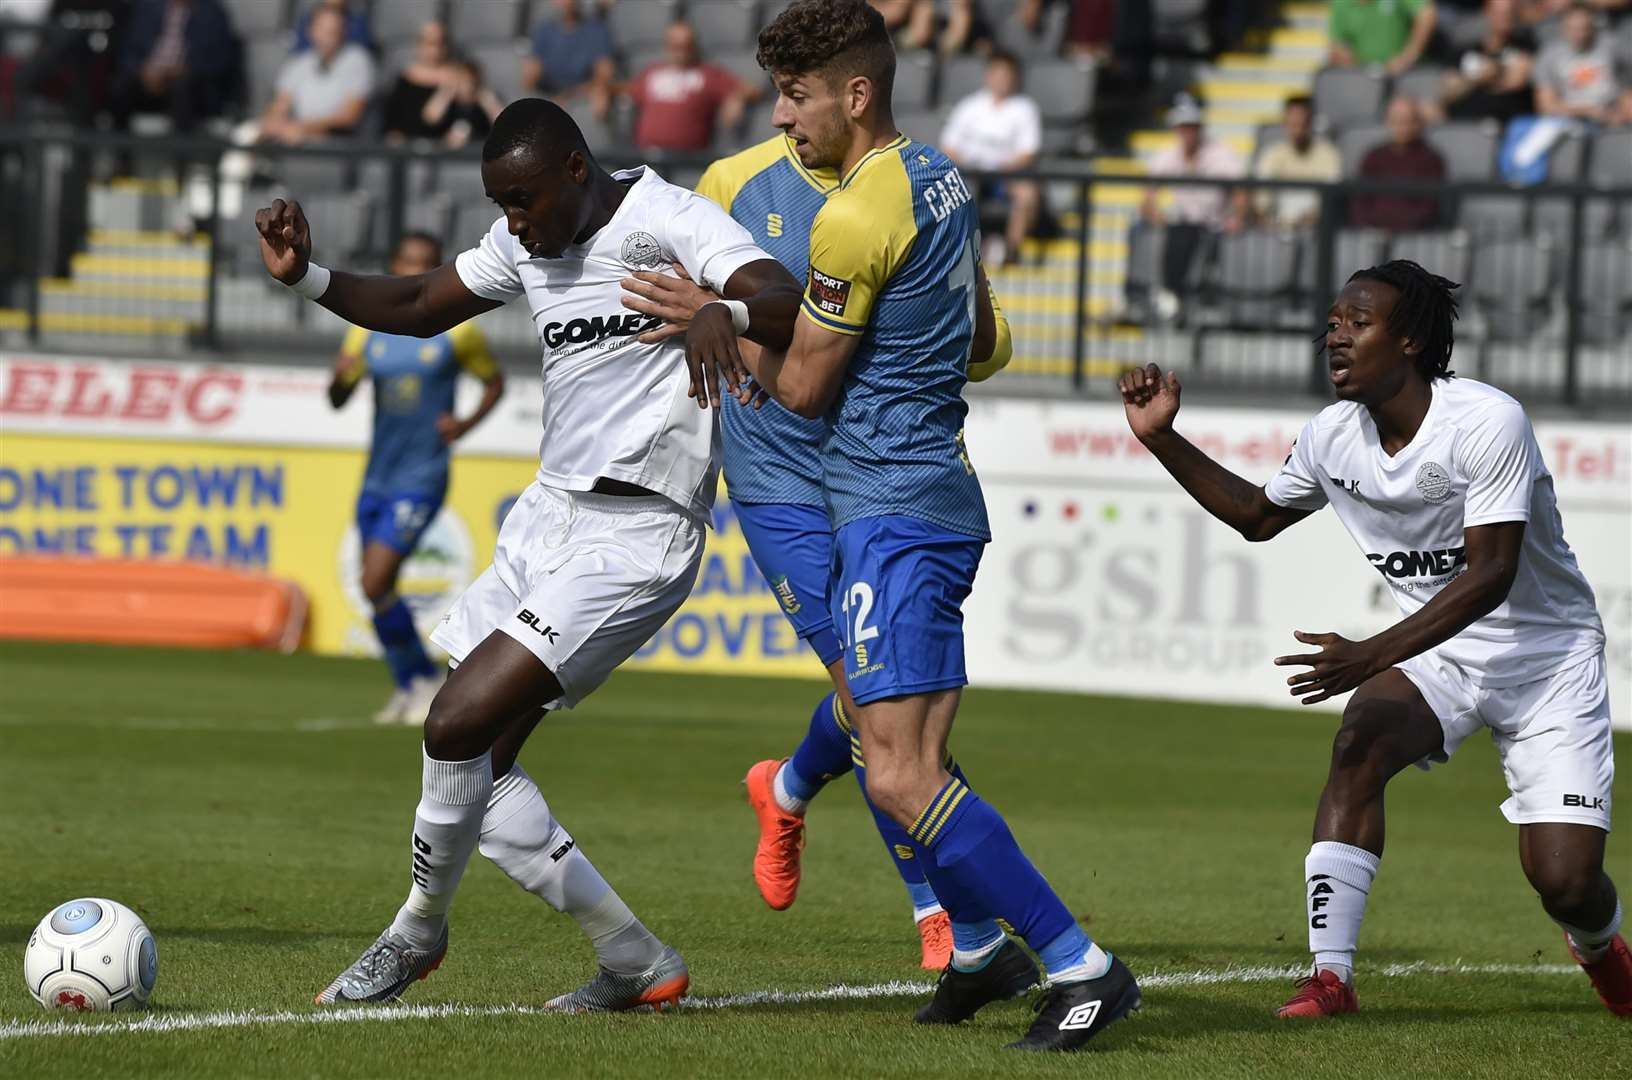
1585, 802
1350, 486
548, 633
1320, 896
561, 852
422, 865
1080, 1016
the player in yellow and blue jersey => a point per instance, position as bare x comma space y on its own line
880, 350
773, 476
407, 476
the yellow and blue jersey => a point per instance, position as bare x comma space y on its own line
414, 383
771, 455
892, 260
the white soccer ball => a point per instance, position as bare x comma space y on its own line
91, 955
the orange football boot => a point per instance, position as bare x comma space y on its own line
1611, 974
935, 931
781, 838
1322, 994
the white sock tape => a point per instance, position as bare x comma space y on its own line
739, 314
314, 284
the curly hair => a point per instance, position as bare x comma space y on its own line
1423, 313
837, 39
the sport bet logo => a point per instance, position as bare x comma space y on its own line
832, 295
1080, 1017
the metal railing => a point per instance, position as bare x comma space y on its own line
1547, 308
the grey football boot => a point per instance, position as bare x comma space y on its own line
384, 970
664, 983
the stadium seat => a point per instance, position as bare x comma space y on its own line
307, 175
1469, 149
962, 76
1143, 274
500, 62
1012, 35
264, 58
1494, 217
1352, 249
1604, 305
461, 179
1612, 159
1422, 83
1353, 144
740, 63
1513, 290
1264, 136
1567, 161
1348, 96
724, 25
470, 221
925, 125
486, 22
1063, 89
258, 18
1252, 277
914, 81
1443, 253
640, 26
399, 20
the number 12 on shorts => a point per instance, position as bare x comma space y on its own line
858, 613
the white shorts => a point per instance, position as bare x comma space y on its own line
1553, 735
582, 580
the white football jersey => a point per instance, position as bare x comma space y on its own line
614, 407
1474, 461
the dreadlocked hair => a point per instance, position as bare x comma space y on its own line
1423, 313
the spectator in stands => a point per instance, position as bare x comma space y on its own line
1576, 76
180, 58
1000, 129
1301, 156
1492, 80
323, 92
63, 65
464, 107
950, 26
357, 31
1391, 34
429, 71
573, 57
1406, 156
1193, 212
680, 101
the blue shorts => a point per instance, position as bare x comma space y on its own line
898, 588
793, 547
397, 521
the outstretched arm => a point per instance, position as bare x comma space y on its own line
1492, 553
1151, 401
420, 305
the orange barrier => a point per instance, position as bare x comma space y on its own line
128, 602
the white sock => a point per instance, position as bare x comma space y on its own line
1338, 879
975, 959
525, 841
1590, 945
446, 824
1095, 962
786, 801
919, 914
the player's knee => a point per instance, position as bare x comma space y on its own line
380, 589
452, 726
1364, 750
1566, 884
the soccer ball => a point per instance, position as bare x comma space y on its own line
91, 955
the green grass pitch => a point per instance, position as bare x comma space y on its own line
238, 803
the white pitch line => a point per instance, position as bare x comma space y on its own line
164, 1025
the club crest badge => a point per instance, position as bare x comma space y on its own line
1434, 482
641, 249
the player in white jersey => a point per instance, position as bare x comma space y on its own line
1441, 483
595, 555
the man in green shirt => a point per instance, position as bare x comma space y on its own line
1392, 33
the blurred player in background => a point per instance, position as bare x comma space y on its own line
596, 554
1441, 483
773, 475
407, 478
890, 319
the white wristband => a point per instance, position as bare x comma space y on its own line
739, 314
314, 284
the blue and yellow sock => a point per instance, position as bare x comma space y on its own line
399, 639
823, 754
975, 934
971, 844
